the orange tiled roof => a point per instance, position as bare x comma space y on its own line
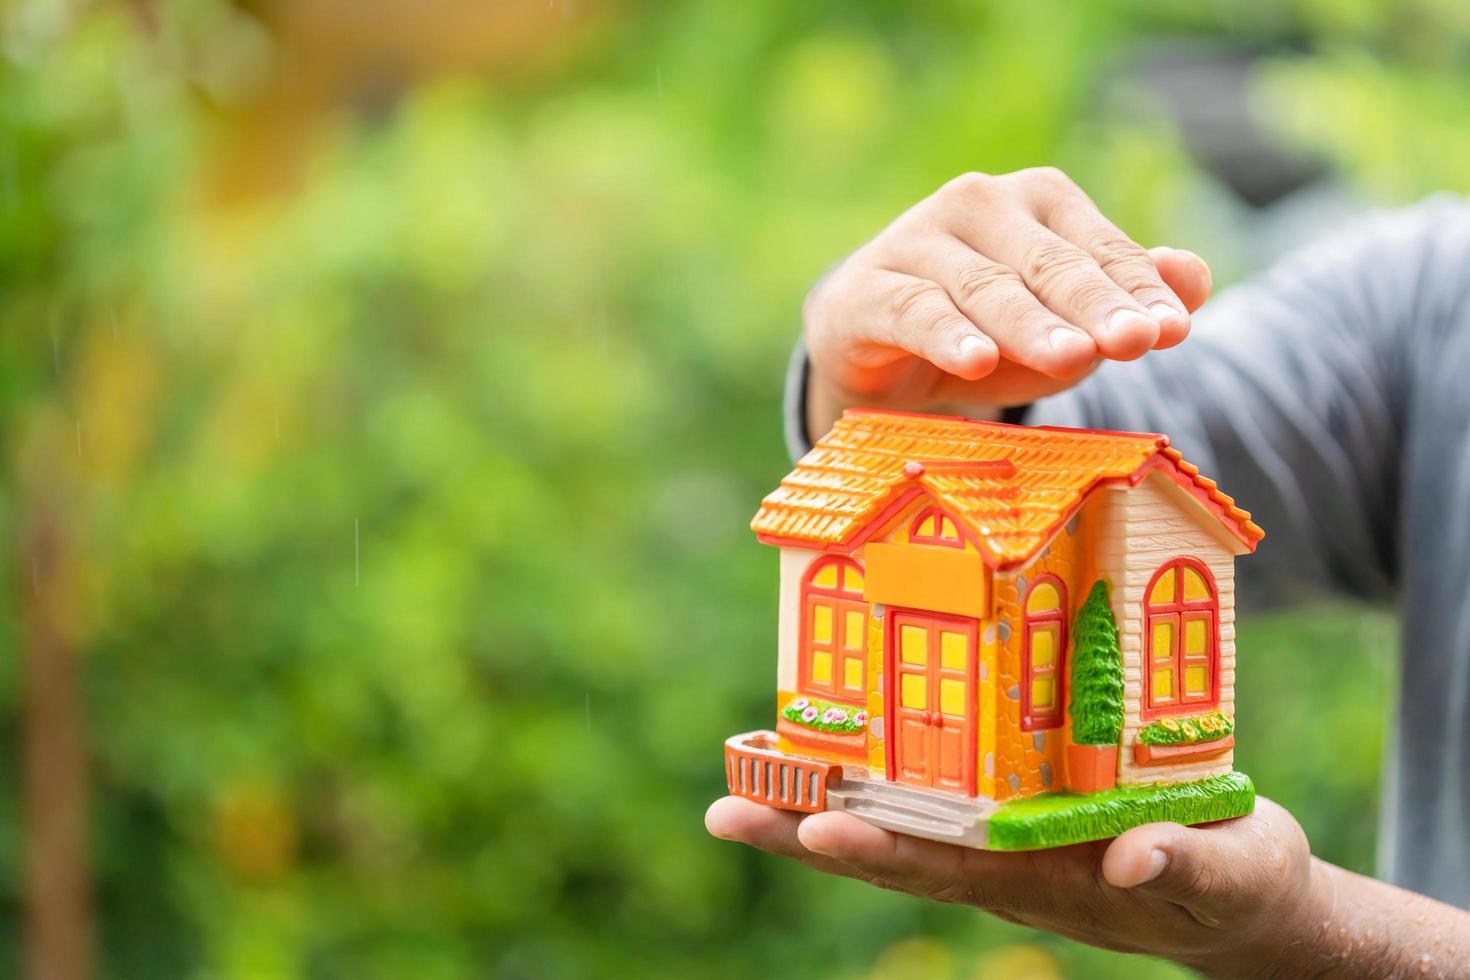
1011, 486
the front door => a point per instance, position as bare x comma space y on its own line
932, 694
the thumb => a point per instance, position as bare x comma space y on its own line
1214, 869
1174, 863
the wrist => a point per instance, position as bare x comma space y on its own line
1286, 937
1297, 942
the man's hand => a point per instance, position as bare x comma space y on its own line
1233, 898
992, 291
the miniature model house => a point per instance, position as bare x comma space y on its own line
945, 584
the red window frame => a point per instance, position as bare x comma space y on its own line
1177, 612
840, 601
1032, 720
938, 537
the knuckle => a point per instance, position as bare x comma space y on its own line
1020, 309
917, 303
1056, 267
980, 279
1110, 249
971, 187
1125, 261
1050, 177
1087, 294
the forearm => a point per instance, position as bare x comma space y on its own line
1351, 926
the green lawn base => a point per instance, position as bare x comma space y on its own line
1054, 819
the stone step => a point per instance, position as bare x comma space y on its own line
934, 816
905, 821
921, 799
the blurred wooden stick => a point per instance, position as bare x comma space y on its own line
58, 912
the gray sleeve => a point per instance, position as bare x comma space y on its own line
1291, 392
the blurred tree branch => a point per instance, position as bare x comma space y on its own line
58, 925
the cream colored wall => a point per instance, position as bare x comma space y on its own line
1137, 530
794, 563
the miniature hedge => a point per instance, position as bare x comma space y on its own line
1188, 731
825, 716
1054, 819
1097, 673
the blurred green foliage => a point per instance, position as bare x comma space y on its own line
403, 508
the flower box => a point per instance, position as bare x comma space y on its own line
825, 716
1145, 754
1208, 727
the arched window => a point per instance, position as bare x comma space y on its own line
1181, 611
834, 630
933, 526
1045, 646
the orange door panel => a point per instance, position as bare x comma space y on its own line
932, 696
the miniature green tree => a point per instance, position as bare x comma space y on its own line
1097, 673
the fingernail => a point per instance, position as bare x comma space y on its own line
969, 344
1157, 860
1067, 340
1163, 311
1124, 318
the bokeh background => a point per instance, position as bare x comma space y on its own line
385, 388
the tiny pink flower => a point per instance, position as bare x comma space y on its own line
809, 713
799, 704
834, 716
860, 718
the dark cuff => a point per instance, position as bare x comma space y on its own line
798, 439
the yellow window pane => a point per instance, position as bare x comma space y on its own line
1195, 587
953, 648
915, 691
926, 527
948, 530
826, 578
1195, 682
1043, 693
952, 696
1163, 684
852, 580
821, 667
852, 636
1194, 636
913, 645
1043, 645
852, 674
1163, 646
1163, 588
822, 623
1043, 598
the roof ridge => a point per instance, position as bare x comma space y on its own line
1014, 482
1159, 437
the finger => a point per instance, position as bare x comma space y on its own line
1074, 217
1068, 281
1186, 273
1006, 883
767, 828
1212, 869
993, 297
896, 310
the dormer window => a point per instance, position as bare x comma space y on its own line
934, 526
